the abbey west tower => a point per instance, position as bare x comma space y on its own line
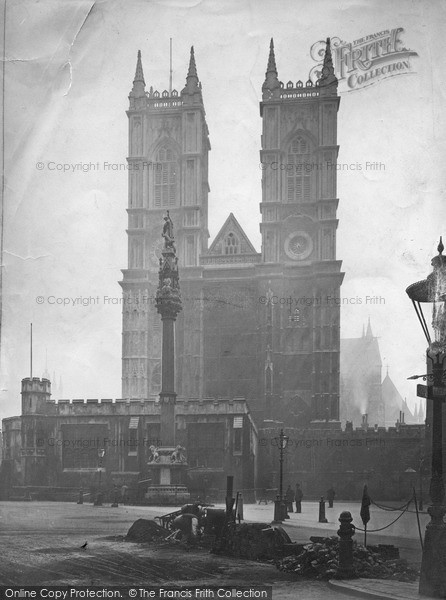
168, 170
298, 156
235, 336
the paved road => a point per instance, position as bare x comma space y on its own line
40, 545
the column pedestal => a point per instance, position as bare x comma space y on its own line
168, 461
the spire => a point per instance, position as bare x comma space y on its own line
369, 329
328, 76
271, 83
139, 75
192, 83
192, 72
271, 68
363, 330
139, 85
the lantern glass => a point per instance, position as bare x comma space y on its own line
284, 441
432, 290
439, 309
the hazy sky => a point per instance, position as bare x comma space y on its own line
69, 69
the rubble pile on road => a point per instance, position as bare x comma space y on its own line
319, 560
144, 530
253, 541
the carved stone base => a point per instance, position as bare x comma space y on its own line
167, 495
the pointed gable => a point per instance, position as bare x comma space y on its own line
231, 245
393, 401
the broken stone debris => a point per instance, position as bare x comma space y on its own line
319, 560
254, 541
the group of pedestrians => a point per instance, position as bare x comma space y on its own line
297, 495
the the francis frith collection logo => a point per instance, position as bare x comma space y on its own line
365, 61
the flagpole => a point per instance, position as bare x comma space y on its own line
31, 352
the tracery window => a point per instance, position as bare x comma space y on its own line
232, 245
165, 177
299, 171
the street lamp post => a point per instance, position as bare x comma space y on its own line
280, 511
101, 454
421, 472
433, 290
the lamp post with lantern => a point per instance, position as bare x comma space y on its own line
101, 454
280, 511
433, 290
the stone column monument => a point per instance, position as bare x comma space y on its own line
169, 459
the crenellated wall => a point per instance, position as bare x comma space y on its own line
386, 459
58, 444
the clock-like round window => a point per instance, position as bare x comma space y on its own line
298, 245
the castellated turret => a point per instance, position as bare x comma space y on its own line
35, 394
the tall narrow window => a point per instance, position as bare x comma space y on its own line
155, 382
165, 178
299, 168
232, 245
190, 251
238, 435
133, 436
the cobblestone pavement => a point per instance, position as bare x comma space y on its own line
41, 545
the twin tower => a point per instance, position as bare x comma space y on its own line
263, 326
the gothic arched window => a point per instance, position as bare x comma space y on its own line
299, 169
155, 381
232, 245
165, 177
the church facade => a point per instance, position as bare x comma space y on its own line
265, 325
257, 343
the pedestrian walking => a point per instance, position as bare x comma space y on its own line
239, 507
289, 499
330, 496
298, 496
124, 494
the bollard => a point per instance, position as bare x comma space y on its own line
98, 500
345, 532
81, 496
322, 518
278, 512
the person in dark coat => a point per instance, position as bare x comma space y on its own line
124, 494
298, 495
289, 499
330, 496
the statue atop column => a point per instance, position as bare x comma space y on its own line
168, 295
169, 241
